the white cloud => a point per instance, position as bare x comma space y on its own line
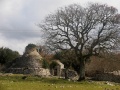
18, 45
18, 19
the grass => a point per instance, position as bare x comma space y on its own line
16, 82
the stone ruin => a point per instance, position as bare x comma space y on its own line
29, 63
59, 71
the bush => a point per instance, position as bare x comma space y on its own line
7, 55
53, 64
45, 64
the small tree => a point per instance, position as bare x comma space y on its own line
53, 64
45, 64
85, 30
30, 47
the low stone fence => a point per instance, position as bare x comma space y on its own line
33, 71
110, 76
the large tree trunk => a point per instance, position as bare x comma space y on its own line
66, 73
82, 70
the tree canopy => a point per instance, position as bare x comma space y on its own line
7, 55
85, 30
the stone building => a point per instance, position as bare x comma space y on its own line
60, 71
57, 70
29, 63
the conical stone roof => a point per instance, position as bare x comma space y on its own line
29, 63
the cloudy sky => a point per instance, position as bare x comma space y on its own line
18, 19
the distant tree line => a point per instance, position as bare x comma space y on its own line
7, 55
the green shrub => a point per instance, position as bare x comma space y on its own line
53, 64
45, 64
7, 55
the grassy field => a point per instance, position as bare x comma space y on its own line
16, 82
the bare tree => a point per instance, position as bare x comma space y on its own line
85, 30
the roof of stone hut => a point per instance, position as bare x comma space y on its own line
31, 59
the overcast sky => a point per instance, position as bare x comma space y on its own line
18, 19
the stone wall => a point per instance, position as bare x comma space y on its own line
101, 65
32, 71
108, 76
